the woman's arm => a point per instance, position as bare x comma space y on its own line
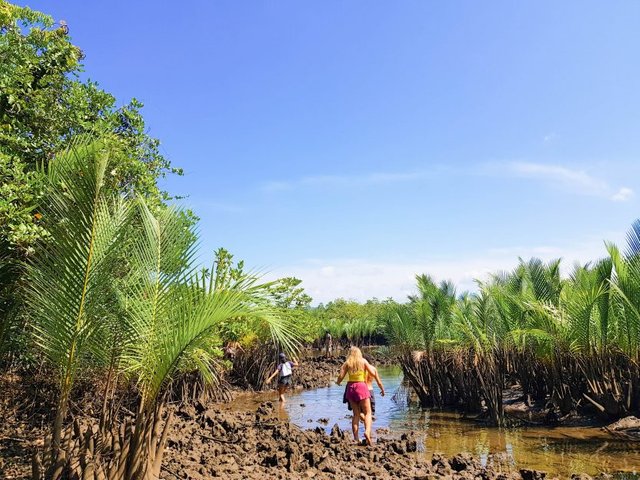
373, 371
343, 372
370, 369
294, 363
379, 382
273, 375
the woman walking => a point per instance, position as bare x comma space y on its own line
285, 369
358, 394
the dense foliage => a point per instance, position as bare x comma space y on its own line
350, 322
568, 343
97, 274
144, 319
43, 105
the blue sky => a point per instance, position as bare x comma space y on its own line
355, 144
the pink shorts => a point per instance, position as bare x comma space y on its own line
357, 391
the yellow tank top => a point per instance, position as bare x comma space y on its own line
356, 376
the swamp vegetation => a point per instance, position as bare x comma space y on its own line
99, 281
570, 344
142, 313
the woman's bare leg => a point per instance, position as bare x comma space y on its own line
365, 407
355, 420
281, 390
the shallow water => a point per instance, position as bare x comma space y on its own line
559, 451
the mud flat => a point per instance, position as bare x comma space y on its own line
215, 443
317, 371
246, 440
211, 441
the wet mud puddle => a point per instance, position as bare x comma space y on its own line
558, 451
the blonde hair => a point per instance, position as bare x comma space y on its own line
354, 361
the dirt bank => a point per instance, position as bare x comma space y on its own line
256, 445
316, 372
211, 441
320, 371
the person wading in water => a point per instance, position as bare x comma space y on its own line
285, 369
369, 381
328, 345
358, 394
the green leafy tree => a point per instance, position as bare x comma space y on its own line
168, 324
66, 280
287, 293
43, 105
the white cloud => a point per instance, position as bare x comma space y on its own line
361, 279
558, 174
622, 195
577, 181
570, 179
344, 181
531, 251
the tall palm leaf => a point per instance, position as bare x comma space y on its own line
604, 273
171, 321
67, 277
402, 329
626, 289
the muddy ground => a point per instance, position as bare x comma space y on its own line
208, 440
316, 372
24, 420
215, 443
319, 371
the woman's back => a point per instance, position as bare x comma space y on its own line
285, 369
357, 376
356, 370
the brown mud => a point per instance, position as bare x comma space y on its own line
316, 372
245, 445
24, 422
212, 440
315, 369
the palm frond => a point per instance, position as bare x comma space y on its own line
67, 277
172, 317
